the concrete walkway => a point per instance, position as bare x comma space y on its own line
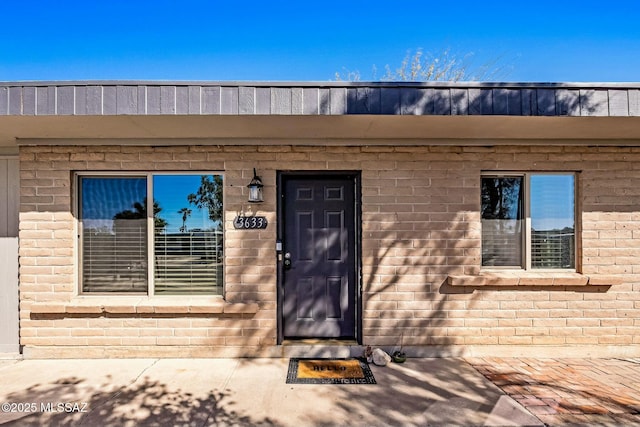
203, 392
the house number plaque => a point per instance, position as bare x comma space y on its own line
250, 222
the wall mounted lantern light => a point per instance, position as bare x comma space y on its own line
255, 189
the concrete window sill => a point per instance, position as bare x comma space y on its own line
143, 305
520, 278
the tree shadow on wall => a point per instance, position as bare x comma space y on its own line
407, 260
143, 403
430, 98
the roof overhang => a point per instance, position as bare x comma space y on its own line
354, 130
159, 113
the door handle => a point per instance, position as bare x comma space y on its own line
287, 261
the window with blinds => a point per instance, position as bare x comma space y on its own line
183, 229
528, 221
188, 239
502, 221
552, 221
113, 220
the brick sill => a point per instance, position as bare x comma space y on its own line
145, 305
520, 278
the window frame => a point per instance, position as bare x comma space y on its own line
148, 176
526, 244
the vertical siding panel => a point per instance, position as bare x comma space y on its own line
195, 100
500, 102
594, 102
362, 101
182, 100
634, 102
15, 100
475, 106
390, 101
618, 103
280, 100
29, 101
459, 102
4, 101
5, 208
247, 100
9, 197
529, 102
373, 101
408, 98
412, 101
109, 100
601, 104
546, 102
326, 99
211, 100
9, 313
567, 102
126, 99
367, 100
94, 100
13, 197
167, 99
442, 102
296, 101
352, 101
142, 99
65, 100
263, 100
45, 100
481, 101
310, 101
153, 100
514, 102
229, 100
123, 99
428, 101
486, 101
81, 100
424, 102
9, 212
338, 101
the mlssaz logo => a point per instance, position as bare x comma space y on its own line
68, 407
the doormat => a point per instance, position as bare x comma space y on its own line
329, 371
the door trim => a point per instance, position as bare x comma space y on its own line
355, 177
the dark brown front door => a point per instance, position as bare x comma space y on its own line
318, 257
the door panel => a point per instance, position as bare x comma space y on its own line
319, 234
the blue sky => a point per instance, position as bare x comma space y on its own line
104, 197
539, 41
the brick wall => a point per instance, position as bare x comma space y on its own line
421, 226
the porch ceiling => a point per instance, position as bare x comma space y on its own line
342, 129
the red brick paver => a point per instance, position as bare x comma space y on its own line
562, 392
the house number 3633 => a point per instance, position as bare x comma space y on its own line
250, 222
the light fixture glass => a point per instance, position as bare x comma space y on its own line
255, 189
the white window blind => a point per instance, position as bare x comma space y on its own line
114, 234
188, 262
187, 241
188, 234
552, 221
